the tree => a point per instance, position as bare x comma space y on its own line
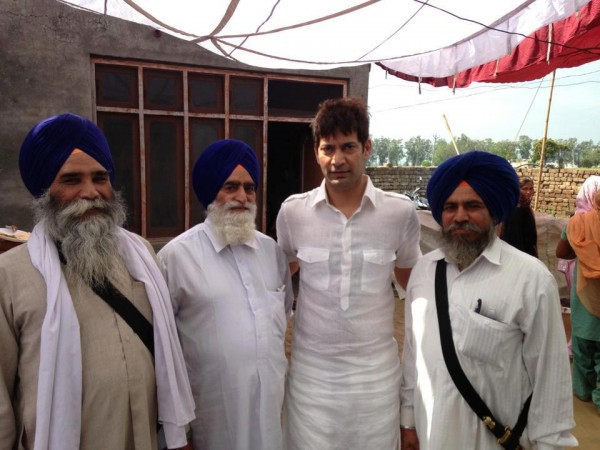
555, 152
386, 151
417, 150
525, 145
507, 149
442, 150
590, 157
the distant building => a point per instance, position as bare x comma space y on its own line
160, 102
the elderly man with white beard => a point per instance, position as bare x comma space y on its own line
232, 294
75, 371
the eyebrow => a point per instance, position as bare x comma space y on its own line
78, 174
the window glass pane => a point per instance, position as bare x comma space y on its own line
206, 93
202, 134
122, 133
296, 98
164, 176
163, 90
246, 96
116, 86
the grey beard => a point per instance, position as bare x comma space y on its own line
89, 245
461, 251
233, 227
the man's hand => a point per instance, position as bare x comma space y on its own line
409, 439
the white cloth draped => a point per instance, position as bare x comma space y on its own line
59, 398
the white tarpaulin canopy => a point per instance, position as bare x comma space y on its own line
434, 38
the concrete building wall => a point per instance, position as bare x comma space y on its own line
45, 51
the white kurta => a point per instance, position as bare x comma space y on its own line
230, 305
343, 383
516, 344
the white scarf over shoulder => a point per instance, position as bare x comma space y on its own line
59, 398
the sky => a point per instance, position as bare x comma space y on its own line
488, 110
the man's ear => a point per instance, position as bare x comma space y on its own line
367, 147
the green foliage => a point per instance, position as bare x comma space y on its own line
555, 152
419, 151
386, 151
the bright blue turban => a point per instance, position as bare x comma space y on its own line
51, 142
491, 176
215, 165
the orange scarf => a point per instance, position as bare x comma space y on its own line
583, 231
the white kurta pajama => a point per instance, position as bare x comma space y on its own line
343, 384
230, 304
516, 344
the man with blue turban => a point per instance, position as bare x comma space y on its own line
480, 307
90, 354
232, 295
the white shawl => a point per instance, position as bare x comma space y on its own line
59, 398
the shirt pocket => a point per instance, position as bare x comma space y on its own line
377, 270
485, 339
314, 266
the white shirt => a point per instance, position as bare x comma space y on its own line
343, 383
514, 345
230, 305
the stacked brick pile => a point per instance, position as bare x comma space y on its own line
556, 194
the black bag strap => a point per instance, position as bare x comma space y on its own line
506, 437
123, 307
127, 310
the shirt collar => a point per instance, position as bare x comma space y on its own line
321, 194
217, 243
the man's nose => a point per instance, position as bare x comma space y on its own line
337, 159
461, 215
88, 191
240, 195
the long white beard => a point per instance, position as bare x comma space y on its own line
233, 227
89, 244
462, 251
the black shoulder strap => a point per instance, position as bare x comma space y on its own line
127, 310
122, 306
507, 438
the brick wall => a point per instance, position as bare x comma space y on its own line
556, 194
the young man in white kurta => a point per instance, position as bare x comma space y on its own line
231, 303
347, 238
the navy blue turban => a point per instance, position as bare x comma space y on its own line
215, 165
51, 142
491, 176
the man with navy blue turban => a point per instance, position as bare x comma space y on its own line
76, 369
498, 309
232, 294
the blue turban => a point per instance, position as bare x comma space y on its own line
215, 165
490, 176
51, 142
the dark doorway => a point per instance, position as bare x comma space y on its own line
287, 170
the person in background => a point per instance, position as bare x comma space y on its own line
519, 229
348, 238
503, 319
75, 370
232, 294
580, 239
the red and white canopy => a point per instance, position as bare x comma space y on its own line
421, 38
